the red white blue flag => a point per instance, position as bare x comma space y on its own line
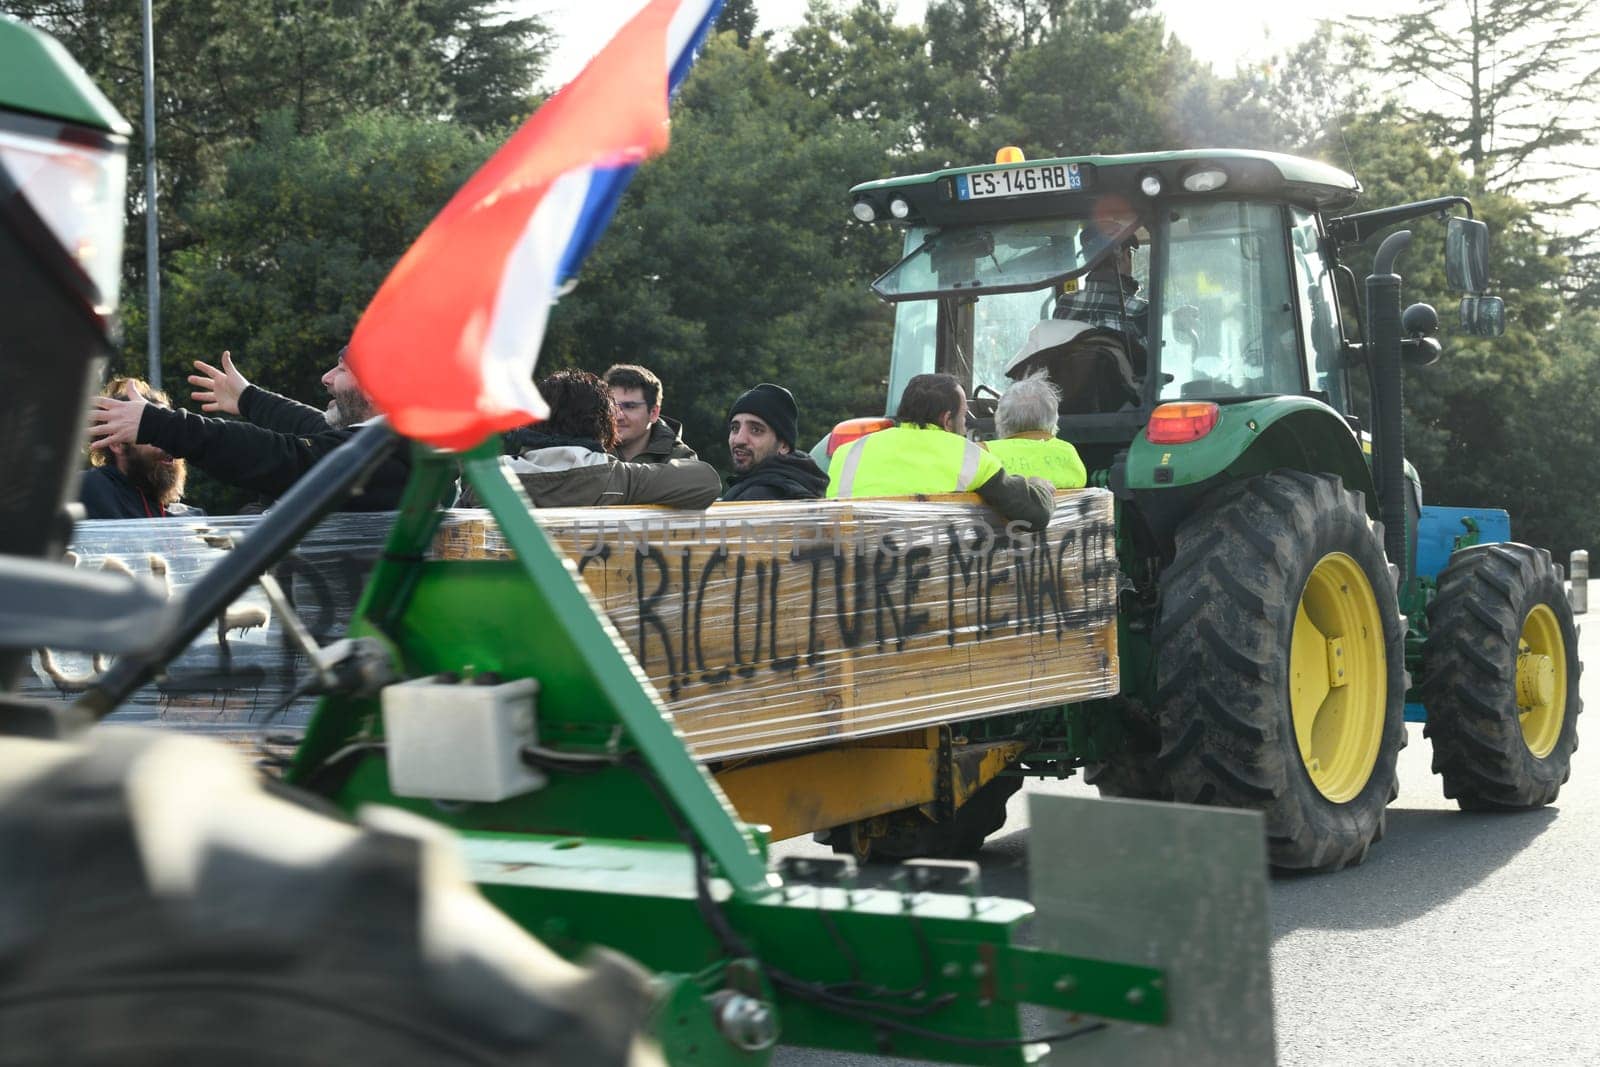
447, 347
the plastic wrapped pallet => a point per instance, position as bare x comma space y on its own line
763, 626
777, 625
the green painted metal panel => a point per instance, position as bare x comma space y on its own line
39, 77
1253, 437
948, 959
529, 617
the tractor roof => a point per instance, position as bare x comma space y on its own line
1073, 184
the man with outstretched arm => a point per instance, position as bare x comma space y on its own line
255, 457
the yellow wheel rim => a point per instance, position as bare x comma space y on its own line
1338, 677
1541, 680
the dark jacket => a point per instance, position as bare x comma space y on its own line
1030, 501
665, 442
781, 476
270, 411
562, 472
265, 461
106, 493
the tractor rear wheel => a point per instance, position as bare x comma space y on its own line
1136, 772
1500, 678
158, 906
1280, 666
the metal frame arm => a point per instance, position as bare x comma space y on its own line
1353, 229
323, 488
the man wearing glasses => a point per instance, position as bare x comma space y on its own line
643, 435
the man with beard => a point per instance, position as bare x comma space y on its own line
267, 454
226, 390
762, 427
130, 481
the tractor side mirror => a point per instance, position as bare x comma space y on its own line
1419, 348
1483, 316
1466, 255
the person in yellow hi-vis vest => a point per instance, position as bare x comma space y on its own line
928, 452
1025, 423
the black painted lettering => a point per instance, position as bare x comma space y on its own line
1022, 582
991, 579
778, 663
885, 565
814, 554
717, 558
848, 618
916, 571
648, 618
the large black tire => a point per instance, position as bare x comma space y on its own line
1278, 580
1503, 727
158, 907
1136, 772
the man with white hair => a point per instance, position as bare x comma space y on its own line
1026, 424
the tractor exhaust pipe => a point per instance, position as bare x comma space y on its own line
1389, 434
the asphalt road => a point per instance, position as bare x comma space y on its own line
1463, 940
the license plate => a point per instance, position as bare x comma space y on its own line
1019, 181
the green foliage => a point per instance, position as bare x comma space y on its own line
1549, 466
734, 260
1471, 404
303, 150
739, 18
301, 235
225, 69
488, 60
1509, 84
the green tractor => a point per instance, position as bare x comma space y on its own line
1276, 605
519, 800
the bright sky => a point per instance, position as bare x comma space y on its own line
1240, 31
1250, 30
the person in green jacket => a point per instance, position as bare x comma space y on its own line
928, 452
1025, 423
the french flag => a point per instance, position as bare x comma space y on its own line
447, 347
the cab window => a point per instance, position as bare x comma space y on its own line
1319, 309
1227, 325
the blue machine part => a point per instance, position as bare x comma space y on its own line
1441, 530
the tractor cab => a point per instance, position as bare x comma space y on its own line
1201, 277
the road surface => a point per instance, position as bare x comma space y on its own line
1463, 940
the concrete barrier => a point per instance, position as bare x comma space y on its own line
1579, 594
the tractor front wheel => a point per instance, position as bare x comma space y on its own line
1500, 678
1280, 666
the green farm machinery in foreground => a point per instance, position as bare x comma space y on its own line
1282, 585
159, 904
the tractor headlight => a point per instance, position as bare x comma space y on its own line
863, 210
73, 179
1205, 181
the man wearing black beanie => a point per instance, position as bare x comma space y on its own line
763, 426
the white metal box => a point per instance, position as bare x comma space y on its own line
460, 741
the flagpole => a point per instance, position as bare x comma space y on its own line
152, 281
